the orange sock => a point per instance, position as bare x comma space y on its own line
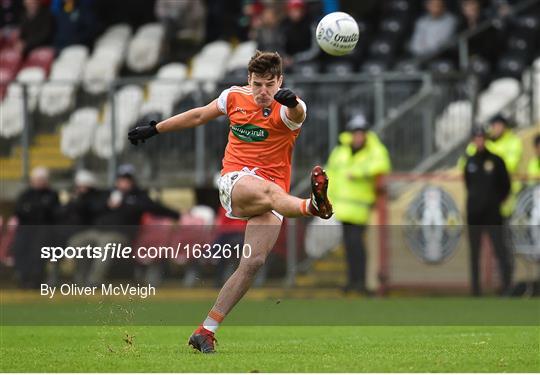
304, 207
213, 320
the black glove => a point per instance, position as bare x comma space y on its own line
142, 132
286, 97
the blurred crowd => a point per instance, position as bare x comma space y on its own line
286, 26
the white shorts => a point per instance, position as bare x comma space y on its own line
226, 184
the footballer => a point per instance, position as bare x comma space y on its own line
265, 120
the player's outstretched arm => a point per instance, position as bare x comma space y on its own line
185, 120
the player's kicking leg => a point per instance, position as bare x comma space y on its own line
256, 198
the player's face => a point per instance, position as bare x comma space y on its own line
264, 88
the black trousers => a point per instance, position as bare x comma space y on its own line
496, 234
353, 235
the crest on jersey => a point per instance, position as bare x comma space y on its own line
525, 224
433, 225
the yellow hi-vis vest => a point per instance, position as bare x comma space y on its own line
352, 177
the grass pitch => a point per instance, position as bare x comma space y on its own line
406, 347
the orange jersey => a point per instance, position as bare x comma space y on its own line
261, 138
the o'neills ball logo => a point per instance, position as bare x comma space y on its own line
249, 133
353, 38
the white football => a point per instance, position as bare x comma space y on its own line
337, 33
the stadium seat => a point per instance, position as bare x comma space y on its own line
102, 145
375, 66
241, 55
12, 112
499, 94
209, 65
442, 66
342, 68
511, 66
101, 70
453, 125
128, 101
307, 69
519, 46
166, 89
11, 61
115, 36
527, 26
58, 95
74, 53
107, 59
145, 47
407, 66
399, 6
7, 75
77, 136
382, 48
42, 57
33, 78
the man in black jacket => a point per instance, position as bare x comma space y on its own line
36, 210
119, 223
488, 185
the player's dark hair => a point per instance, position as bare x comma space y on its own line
265, 64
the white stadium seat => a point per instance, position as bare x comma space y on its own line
78, 135
499, 94
454, 125
210, 64
58, 95
11, 110
145, 47
75, 53
107, 59
241, 55
102, 145
128, 101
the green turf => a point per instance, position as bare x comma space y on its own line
272, 349
360, 335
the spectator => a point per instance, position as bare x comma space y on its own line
269, 34
433, 30
36, 209
76, 22
10, 15
251, 13
488, 184
120, 222
297, 27
184, 23
36, 28
87, 202
353, 168
77, 216
533, 168
471, 17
